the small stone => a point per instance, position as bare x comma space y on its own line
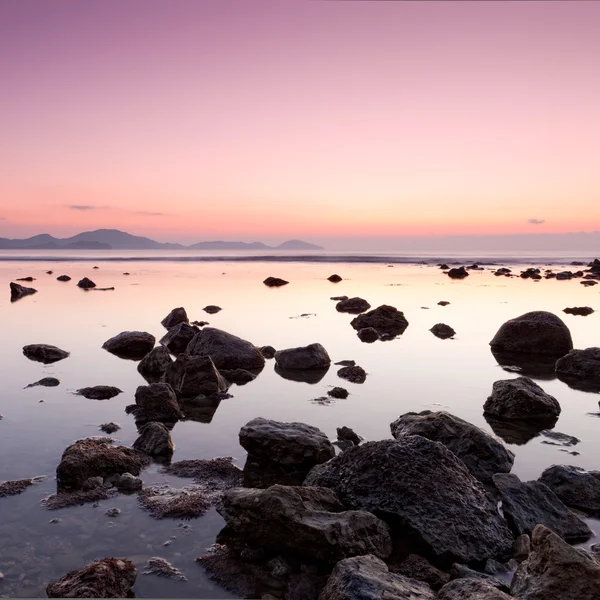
354, 374
113, 512
211, 309
86, 284
338, 392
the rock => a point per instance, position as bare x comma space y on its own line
560, 439
18, 291
63, 278
45, 382
471, 589
368, 335
154, 440
176, 316
346, 363
443, 303
99, 392
132, 345
442, 331
178, 338
267, 351
92, 483
313, 356
368, 578
275, 282
238, 376
282, 452
44, 353
163, 568
227, 351
582, 311
217, 474
338, 298
106, 578
419, 568
576, 487
77, 498
113, 512
537, 332
353, 306
156, 402
348, 435
338, 392
588, 282
354, 374
522, 548
462, 571
418, 487
96, 457
482, 454
172, 503
86, 284
526, 504
155, 364
110, 427
15, 487
555, 571
195, 375
302, 521
458, 273
384, 319
211, 309
334, 278
128, 483
580, 365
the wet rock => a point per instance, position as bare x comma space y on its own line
45, 382
353, 306
368, 335
458, 273
163, 568
178, 338
106, 578
18, 291
537, 332
156, 402
267, 351
443, 303
172, 503
99, 392
518, 432
582, 311
526, 504
63, 278
128, 483
418, 487
68, 499
338, 392
15, 487
211, 309
419, 568
195, 375
442, 331
345, 434
471, 589
335, 278
133, 345
580, 365
353, 374
313, 356
44, 353
275, 282
155, 364
176, 316
154, 440
368, 577
384, 319
86, 284
555, 571
576, 487
110, 427
238, 376
301, 521
214, 475
482, 454
338, 298
113, 512
227, 351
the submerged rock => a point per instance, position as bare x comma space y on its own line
580, 365
156, 402
195, 375
127, 482
275, 282
45, 382
15, 487
338, 392
155, 364
154, 440
86, 284
63, 499
443, 331
443, 303
110, 427
164, 502
213, 475
44, 353
384, 319
353, 306
353, 374
99, 392
178, 338
133, 345
576, 487
313, 356
368, 335
18, 291
176, 316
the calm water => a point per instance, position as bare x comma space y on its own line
416, 371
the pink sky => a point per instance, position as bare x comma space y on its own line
187, 120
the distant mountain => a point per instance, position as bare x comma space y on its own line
298, 245
229, 246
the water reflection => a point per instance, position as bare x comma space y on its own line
311, 376
519, 432
529, 365
201, 409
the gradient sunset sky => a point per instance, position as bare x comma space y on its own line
187, 120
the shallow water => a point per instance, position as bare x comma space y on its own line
414, 372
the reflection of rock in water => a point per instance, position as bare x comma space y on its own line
582, 385
519, 432
201, 408
530, 365
306, 376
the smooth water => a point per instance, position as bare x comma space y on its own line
414, 372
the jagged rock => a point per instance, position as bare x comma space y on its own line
156, 402
353, 306
195, 375
335, 278
128, 483
302, 521
267, 351
178, 338
275, 282
154, 440
471, 589
418, 487
163, 568
155, 364
576, 487
580, 365
212, 309
582, 311
239, 376
556, 571
502, 271
92, 483
368, 335
63, 278
106, 578
345, 434
176, 316
133, 345
353, 374
527, 504
483, 454
18, 291
110, 427
313, 356
419, 568
44, 353
442, 331
537, 332
458, 273
86, 284
99, 392
368, 578
45, 382
338, 392
384, 319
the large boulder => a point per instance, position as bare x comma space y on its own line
386, 320
310, 357
44, 353
105, 578
302, 521
195, 375
471, 589
580, 365
537, 332
529, 503
18, 291
154, 440
178, 338
227, 351
155, 364
368, 578
156, 402
556, 571
353, 306
482, 453
176, 316
133, 345
419, 487
576, 487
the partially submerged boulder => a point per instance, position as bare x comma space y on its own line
353, 374
15, 487
582, 311
458, 273
267, 351
386, 320
99, 392
155, 364
176, 316
132, 345
212, 309
576, 487
86, 284
353, 306
368, 335
156, 402
442, 331
44, 353
18, 291
275, 282
195, 375
178, 338
581, 365
154, 439
310, 357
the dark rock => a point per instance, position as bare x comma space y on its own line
459, 273
483, 454
211, 309
348, 435
576, 487
218, 473
384, 319
471, 589
559, 439
354, 374
128, 483
368, 335
338, 392
564, 275
194, 375
346, 363
63, 278
86, 284
353, 306
77, 498
537, 332
44, 353
418, 487
334, 278
582, 311
555, 571
588, 282
419, 568
163, 502
45, 382
522, 548
502, 271
132, 345
238, 376
154, 440
459, 571
176, 316
110, 427
18, 291
99, 392
580, 365
106, 578
275, 282
313, 356
442, 331
443, 303
526, 504
156, 402
267, 351
155, 364
178, 338
339, 298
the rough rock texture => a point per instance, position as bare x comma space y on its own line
227, 351
384, 319
176, 316
106, 578
96, 457
156, 402
166, 502
368, 578
537, 332
346, 434
580, 364
522, 547
313, 356
275, 282
12, 488
527, 504
110, 427
44, 382
418, 487
77, 498
195, 375
353, 374
335, 278
86, 284
302, 521
576, 487
419, 568
462, 571
267, 351
215, 475
178, 338
18, 291
482, 453
44, 353
130, 344
154, 440
238, 376
353, 306
368, 335
556, 571
471, 589
99, 392
442, 331
155, 364
458, 273
127, 482
163, 568
582, 311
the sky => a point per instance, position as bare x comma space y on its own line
268, 120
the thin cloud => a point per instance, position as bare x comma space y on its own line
2, 218
85, 207
536, 221
146, 213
